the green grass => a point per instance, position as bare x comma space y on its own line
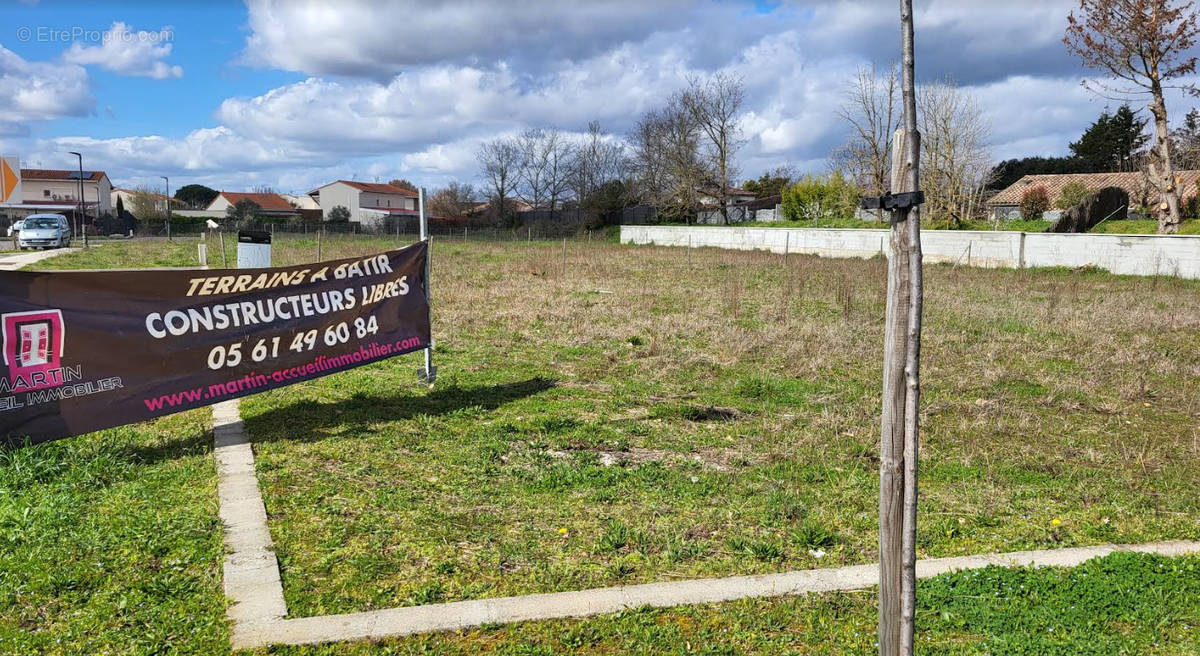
639, 420
1122, 604
1145, 227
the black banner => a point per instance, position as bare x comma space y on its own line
87, 350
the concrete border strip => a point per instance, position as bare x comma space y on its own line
251, 572
257, 609
459, 615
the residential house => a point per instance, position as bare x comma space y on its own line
58, 190
736, 202
369, 203
1007, 203
269, 204
133, 201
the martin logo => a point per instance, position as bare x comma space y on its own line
33, 348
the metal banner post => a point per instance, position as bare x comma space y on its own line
428, 374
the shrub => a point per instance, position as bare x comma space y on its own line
1034, 202
1191, 207
1072, 194
820, 197
338, 214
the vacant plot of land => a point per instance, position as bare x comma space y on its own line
636, 414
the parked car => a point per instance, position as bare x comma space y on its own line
15, 228
44, 231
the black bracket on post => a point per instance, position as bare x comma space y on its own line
890, 201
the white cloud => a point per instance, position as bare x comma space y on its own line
379, 38
126, 51
40, 91
400, 90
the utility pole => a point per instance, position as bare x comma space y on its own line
79, 212
899, 428
167, 187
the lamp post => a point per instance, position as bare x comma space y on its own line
79, 213
167, 186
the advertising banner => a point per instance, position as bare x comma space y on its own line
87, 350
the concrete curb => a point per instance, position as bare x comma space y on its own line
251, 572
18, 259
257, 607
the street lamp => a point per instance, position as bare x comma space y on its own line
167, 186
79, 214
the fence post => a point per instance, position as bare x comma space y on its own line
320, 231
428, 374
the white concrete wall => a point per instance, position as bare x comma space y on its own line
1175, 255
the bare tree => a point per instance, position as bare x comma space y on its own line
713, 104
870, 108
667, 159
500, 160
403, 184
452, 200
544, 168
146, 204
1145, 45
531, 168
955, 161
594, 161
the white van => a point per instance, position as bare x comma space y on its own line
44, 231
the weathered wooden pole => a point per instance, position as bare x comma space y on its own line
901, 376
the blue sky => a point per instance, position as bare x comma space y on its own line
273, 92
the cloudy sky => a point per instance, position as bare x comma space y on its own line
293, 94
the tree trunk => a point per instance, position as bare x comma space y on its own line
1162, 173
899, 429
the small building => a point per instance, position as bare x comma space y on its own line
369, 203
134, 201
57, 190
269, 204
1006, 204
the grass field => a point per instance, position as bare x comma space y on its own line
626, 414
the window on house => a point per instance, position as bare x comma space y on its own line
45, 193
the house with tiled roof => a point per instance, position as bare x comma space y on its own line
369, 203
131, 200
58, 190
1007, 203
270, 204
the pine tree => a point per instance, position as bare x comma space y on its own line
1113, 142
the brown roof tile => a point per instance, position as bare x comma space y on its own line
1134, 183
269, 202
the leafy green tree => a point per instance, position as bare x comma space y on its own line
1187, 141
813, 198
244, 210
195, 196
770, 183
338, 214
1071, 195
1011, 170
1114, 142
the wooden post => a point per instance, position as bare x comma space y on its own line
899, 428
320, 231
224, 262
